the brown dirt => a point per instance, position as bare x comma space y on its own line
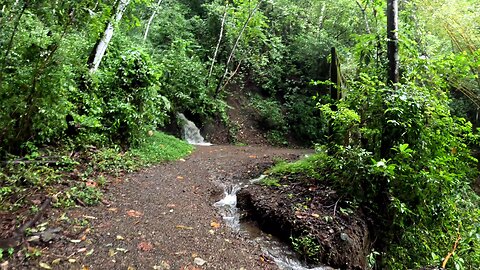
244, 125
158, 218
299, 208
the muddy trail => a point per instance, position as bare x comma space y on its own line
162, 218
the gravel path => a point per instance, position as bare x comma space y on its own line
163, 218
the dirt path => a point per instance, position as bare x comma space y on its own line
163, 218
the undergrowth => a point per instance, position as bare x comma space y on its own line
79, 179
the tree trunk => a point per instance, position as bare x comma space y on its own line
102, 45
335, 76
365, 17
392, 37
151, 20
232, 53
220, 37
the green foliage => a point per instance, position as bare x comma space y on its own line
160, 148
182, 81
88, 195
307, 247
420, 191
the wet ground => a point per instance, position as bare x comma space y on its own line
160, 218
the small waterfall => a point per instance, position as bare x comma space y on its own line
283, 256
190, 132
228, 207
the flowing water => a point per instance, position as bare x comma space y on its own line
190, 132
283, 256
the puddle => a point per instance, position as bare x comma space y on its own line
283, 255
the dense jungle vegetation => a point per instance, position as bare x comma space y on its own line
397, 136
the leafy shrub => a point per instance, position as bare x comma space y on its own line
133, 104
419, 191
270, 112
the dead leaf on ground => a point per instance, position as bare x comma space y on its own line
180, 177
183, 227
190, 267
252, 156
91, 183
299, 214
145, 246
133, 213
44, 265
215, 225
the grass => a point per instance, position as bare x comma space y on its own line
161, 147
309, 167
19, 181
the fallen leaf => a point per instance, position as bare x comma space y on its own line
299, 214
91, 183
81, 250
75, 240
112, 209
124, 250
4, 265
90, 252
56, 261
315, 215
44, 265
133, 213
85, 267
111, 252
215, 225
131, 268
119, 237
180, 177
36, 202
145, 246
184, 227
252, 156
71, 260
163, 266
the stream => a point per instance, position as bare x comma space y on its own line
283, 255
279, 252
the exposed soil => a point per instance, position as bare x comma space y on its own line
301, 209
244, 124
158, 218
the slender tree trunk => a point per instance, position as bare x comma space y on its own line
321, 20
334, 76
232, 53
102, 45
392, 36
364, 13
220, 37
151, 20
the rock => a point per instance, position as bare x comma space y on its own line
34, 239
50, 234
199, 261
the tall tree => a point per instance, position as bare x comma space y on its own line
392, 36
147, 29
101, 46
